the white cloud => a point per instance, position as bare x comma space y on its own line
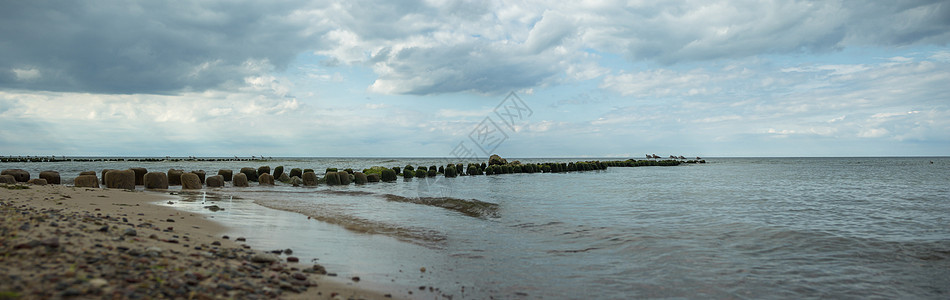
872, 132
26, 74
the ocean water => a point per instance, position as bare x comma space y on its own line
851, 228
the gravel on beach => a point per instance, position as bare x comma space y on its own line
50, 252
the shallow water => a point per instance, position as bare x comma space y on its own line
732, 228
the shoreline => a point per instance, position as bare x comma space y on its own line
64, 241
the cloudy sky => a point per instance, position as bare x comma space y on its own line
455, 78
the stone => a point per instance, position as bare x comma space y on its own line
359, 178
332, 178
89, 181
266, 179
155, 180
129, 232
495, 159
251, 173
215, 181
227, 174
293, 259
309, 179
139, 175
240, 180
37, 181
372, 178
277, 171
190, 181
9, 179
201, 175
345, 178
283, 178
52, 177
20, 175
264, 258
174, 176
296, 172
87, 173
263, 170
103, 176
318, 269
450, 172
295, 181
120, 179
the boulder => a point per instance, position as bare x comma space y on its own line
432, 172
52, 177
266, 179
309, 179
214, 181
387, 175
421, 173
395, 169
20, 175
116, 179
251, 173
155, 180
226, 174
239, 180
494, 159
190, 181
278, 170
359, 178
174, 176
345, 178
450, 171
89, 181
139, 175
9, 179
263, 170
201, 175
332, 178
374, 178
296, 172
103, 176
309, 170
283, 178
296, 181
37, 181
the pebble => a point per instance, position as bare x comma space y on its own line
52, 242
98, 282
129, 232
288, 251
293, 259
264, 258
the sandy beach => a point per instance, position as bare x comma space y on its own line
66, 242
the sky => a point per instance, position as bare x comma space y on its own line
470, 78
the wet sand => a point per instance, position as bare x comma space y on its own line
61, 242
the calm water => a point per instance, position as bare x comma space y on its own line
733, 228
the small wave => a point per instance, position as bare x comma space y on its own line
471, 207
420, 236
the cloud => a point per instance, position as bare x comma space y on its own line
147, 47
423, 47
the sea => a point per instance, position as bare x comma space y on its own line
732, 228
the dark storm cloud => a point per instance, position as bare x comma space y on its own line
144, 46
